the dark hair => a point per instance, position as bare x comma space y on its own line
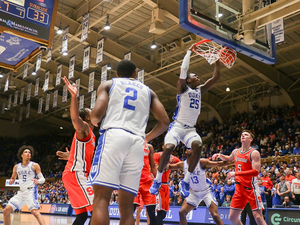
23, 148
125, 68
83, 113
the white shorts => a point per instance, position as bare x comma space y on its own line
118, 161
28, 197
195, 197
178, 132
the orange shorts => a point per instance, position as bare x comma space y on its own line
162, 199
80, 195
143, 196
243, 194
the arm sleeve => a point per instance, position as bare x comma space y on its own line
185, 65
248, 173
41, 178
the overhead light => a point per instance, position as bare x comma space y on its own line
219, 15
1, 75
61, 128
107, 25
108, 66
33, 73
153, 45
227, 89
65, 53
59, 31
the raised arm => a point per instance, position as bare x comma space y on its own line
225, 157
210, 82
14, 175
151, 160
205, 163
160, 114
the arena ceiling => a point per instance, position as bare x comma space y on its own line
130, 21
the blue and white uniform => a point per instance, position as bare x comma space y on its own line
200, 189
185, 117
28, 190
118, 159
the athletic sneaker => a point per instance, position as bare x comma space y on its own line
154, 189
184, 188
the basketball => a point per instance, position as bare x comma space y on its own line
227, 56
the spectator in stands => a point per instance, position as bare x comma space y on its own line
216, 189
296, 189
287, 203
229, 188
275, 197
283, 188
171, 202
296, 150
222, 196
266, 182
179, 201
171, 188
263, 193
289, 177
46, 200
227, 201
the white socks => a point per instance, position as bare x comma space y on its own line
158, 176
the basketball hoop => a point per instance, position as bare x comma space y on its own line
208, 49
227, 56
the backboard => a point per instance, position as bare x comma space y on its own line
222, 22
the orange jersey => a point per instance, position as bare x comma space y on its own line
243, 163
81, 154
146, 174
173, 160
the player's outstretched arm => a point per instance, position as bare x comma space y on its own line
159, 112
101, 103
151, 160
175, 166
13, 176
205, 163
210, 82
63, 155
224, 157
36, 167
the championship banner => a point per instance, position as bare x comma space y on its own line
6, 84
278, 31
14, 117
64, 46
91, 81
16, 98
3, 107
100, 45
22, 95
37, 83
77, 82
81, 102
25, 72
28, 110
141, 74
21, 114
55, 98
86, 58
49, 55
38, 62
127, 55
104, 73
93, 99
40, 105
85, 27
47, 102
58, 75
28, 92
9, 102
71, 67
46, 84
65, 94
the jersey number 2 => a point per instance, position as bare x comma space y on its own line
131, 98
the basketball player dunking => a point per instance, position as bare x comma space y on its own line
188, 108
79, 159
247, 167
122, 105
30, 175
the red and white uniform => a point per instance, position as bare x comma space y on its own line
162, 199
246, 189
76, 171
145, 183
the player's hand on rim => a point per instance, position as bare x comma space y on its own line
192, 47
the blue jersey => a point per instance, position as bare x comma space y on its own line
262, 194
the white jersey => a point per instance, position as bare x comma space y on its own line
188, 107
198, 177
128, 106
26, 175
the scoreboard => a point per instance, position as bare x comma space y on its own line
31, 19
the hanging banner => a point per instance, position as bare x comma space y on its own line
49, 55
40, 105
46, 84
16, 98
47, 102
278, 31
38, 62
91, 81
65, 94
3, 107
100, 45
9, 102
85, 27
77, 82
22, 95
64, 47
141, 74
6, 84
21, 114
14, 117
86, 58
28, 92
25, 71
127, 55
58, 75
36, 89
81, 102
55, 98
71, 67
104, 73
28, 110
93, 99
